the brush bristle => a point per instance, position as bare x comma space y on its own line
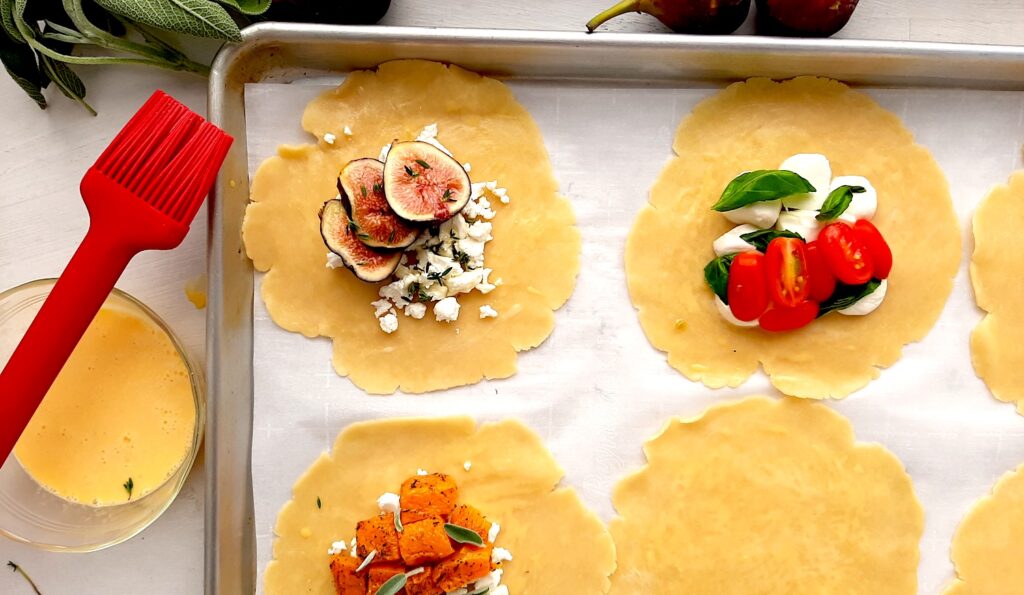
167, 155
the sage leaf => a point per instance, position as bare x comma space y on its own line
761, 238
67, 81
393, 585
837, 202
199, 18
398, 522
20, 62
847, 295
460, 534
248, 6
761, 185
716, 274
7, 20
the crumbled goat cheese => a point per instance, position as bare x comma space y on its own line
334, 261
416, 310
421, 472
492, 533
388, 322
329, 138
447, 310
467, 465
500, 554
347, 131
337, 547
388, 502
487, 312
381, 307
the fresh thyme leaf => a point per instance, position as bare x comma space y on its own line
363, 236
319, 504
128, 487
363, 188
847, 295
837, 202
448, 195
435, 276
761, 185
461, 534
378, 188
353, 226
393, 585
410, 171
391, 237
716, 274
761, 238
15, 568
423, 164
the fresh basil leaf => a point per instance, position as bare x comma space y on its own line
393, 585
716, 274
20, 62
837, 202
847, 295
463, 535
199, 18
761, 185
762, 237
251, 7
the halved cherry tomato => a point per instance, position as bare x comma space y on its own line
785, 263
846, 254
881, 254
748, 289
823, 282
780, 318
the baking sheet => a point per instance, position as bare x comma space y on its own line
596, 389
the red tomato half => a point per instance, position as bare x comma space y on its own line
779, 318
881, 254
785, 263
748, 291
846, 254
823, 282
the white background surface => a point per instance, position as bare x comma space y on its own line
44, 154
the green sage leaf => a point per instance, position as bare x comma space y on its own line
460, 534
761, 238
716, 274
837, 202
393, 585
66, 80
248, 6
7, 20
199, 18
20, 62
761, 185
847, 295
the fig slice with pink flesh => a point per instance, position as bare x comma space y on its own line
361, 184
342, 238
424, 184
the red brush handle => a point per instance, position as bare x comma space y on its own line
72, 304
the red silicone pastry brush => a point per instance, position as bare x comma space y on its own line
142, 194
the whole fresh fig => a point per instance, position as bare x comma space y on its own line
805, 18
709, 17
330, 12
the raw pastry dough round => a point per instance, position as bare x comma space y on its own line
987, 545
997, 344
559, 546
766, 496
535, 251
755, 125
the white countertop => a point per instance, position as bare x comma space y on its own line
44, 154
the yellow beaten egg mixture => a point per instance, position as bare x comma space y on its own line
120, 418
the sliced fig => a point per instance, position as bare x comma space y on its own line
339, 234
424, 184
361, 183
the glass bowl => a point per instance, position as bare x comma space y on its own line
35, 516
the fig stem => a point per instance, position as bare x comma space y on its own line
620, 8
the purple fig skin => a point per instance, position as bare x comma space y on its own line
705, 17
804, 18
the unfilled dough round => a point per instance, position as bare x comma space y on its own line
765, 496
558, 545
997, 344
757, 125
988, 548
535, 250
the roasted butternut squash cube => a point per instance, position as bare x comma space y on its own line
422, 583
424, 541
346, 580
467, 565
470, 518
378, 574
378, 534
424, 496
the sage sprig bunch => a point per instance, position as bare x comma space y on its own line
42, 39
